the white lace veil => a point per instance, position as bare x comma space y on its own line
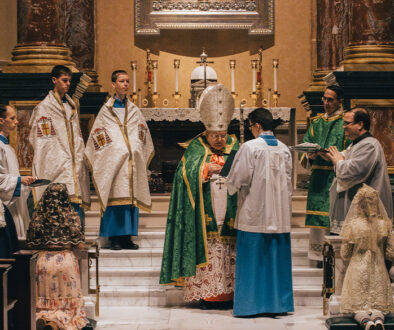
366, 223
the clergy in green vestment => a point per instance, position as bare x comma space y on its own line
199, 248
326, 129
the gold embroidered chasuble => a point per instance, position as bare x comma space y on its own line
59, 148
118, 155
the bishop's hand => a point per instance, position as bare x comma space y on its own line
214, 169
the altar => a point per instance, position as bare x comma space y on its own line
170, 126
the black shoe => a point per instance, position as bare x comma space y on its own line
205, 305
128, 244
115, 243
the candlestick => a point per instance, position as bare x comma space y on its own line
134, 70
275, 65
155, 65
177, 63
269, 97
254, 68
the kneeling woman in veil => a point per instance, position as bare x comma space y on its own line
55, 230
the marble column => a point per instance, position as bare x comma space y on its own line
331, 38
41, 37
371, 36
80, 37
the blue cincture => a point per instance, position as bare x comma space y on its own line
269, 138
4, 139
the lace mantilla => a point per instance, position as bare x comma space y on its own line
193, 114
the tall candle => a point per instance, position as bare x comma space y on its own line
275, 64
254, 68
155, 66
134, 69
232, 69
176, 66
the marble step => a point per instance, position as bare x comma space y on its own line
148, 276
147, 238
157, 218
144, 257
169, 296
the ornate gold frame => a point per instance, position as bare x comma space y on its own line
382, 103
14, 136
256, 16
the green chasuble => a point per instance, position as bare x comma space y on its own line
190, 218
326, 133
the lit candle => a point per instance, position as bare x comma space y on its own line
275, 64
232, 69
254, 68
134, 69
176, 67
155, 65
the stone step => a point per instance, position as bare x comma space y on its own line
169, 296
149, 257
147, 238
148, 276
157, 218
159, 202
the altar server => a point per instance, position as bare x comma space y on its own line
119, 151
13, 187
261, 175
57, 142
199, 248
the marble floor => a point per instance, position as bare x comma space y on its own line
182, 318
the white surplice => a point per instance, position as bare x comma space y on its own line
9, 173
364, 163
261, 174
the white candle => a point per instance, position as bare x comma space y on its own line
232, 81
134, 81
275, 64
134, 69
232, 70
154, 80
254, 80
275, 80
176, 80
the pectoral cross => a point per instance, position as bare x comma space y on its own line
205, 63
220, 182
45, 128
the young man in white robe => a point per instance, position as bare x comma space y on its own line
57, 141
362, 162
13, 187
261, 175
118, 152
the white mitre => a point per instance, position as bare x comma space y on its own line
216, 107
